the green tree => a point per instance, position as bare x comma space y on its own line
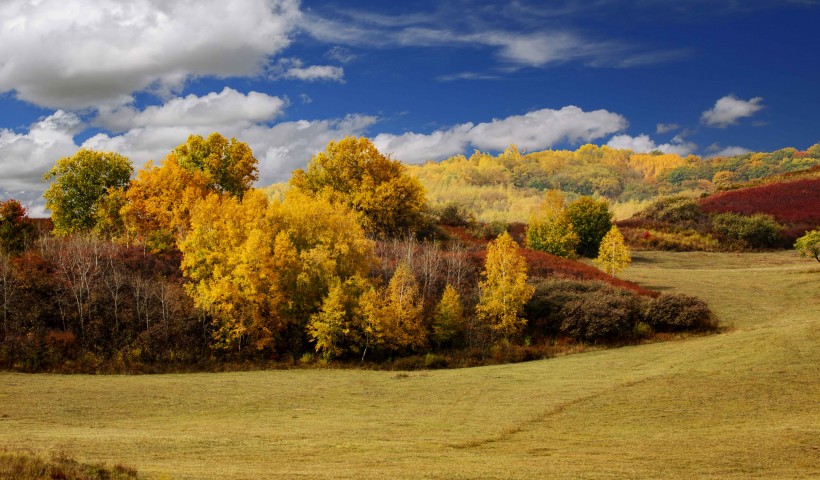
16, 229
809, 245
80, 183
613, 255
229, 165
504, 290
591, 220
352, 171
550, 229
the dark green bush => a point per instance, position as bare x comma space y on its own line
601, 317
681, 211
677, 312
757, 231
583, 310
455, 215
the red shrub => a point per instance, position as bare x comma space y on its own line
796, 202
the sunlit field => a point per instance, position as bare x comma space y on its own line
741, 404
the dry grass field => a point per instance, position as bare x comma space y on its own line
738, 405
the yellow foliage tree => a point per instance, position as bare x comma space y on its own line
448, 321
159, 201
235, 269
393, 318
613, 254
504, 289
353, 172
260, 267
228, 165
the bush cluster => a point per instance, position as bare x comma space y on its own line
756, 231
600, 313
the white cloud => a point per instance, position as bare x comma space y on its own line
228, 107
717, 151
643, 144
294, 69
539, 129
24, 158
666, 127
729, 109
82, 53
315, 72
519, 49
466, 76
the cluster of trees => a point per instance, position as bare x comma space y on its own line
186, 262
584, 227
506, 187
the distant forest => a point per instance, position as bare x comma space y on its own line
509, 186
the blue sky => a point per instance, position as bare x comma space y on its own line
424, 79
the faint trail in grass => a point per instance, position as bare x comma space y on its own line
510, 432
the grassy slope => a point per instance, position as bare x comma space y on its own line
743, 404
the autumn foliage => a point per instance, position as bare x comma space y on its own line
188, 265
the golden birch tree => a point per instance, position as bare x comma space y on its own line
613, 254
504, 289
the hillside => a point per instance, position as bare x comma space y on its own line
509, 186
732, 406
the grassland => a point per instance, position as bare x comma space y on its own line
742, 404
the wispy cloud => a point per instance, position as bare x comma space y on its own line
666, 127
466, 76
516, 47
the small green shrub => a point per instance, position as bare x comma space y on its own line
677, 312
757, 231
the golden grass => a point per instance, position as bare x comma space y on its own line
743, 404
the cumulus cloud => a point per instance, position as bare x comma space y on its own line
83, 53
152, 133
666, 127
643, 144
538, 129
228, 107
729, 109
25, 157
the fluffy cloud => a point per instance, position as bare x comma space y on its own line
729, 109
539, 129
82, 53
228, 107
280, 148
24, 158
643, 144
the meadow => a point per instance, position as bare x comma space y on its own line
736, 405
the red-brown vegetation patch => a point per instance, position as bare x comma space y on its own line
796, 202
